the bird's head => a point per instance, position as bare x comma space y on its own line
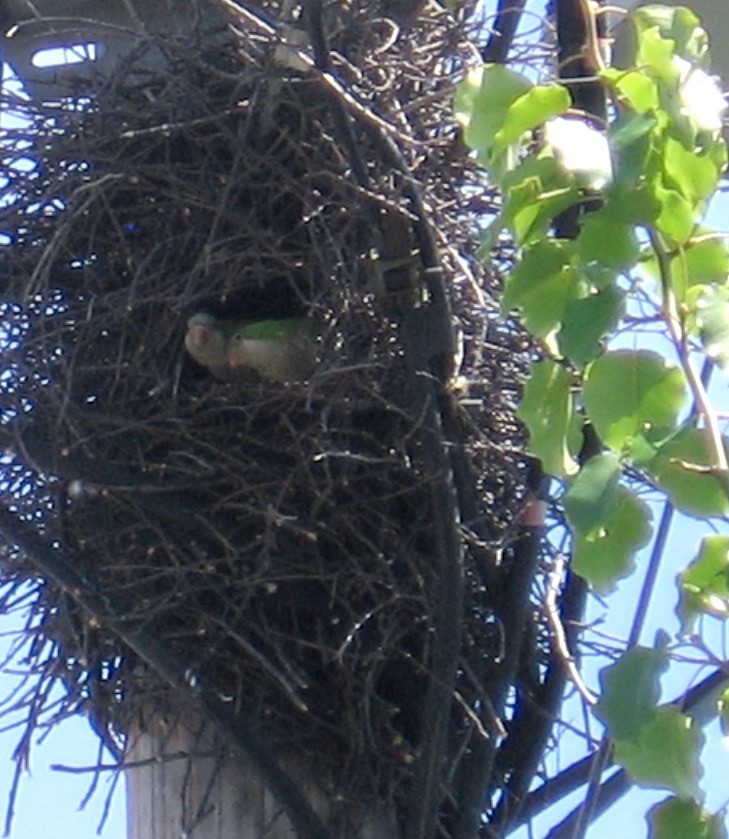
200, 328
205, 342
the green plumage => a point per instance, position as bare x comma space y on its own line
276, 330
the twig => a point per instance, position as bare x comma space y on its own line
58, 565
330, 82
123, 765
559, 637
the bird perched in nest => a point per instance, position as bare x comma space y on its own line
284, 350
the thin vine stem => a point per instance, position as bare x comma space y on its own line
675, 325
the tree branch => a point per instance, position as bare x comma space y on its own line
57, 565
536, 725
508, 15
477, 766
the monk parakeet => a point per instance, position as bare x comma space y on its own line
283, 350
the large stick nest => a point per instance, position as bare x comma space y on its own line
279, 537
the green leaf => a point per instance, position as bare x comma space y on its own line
532, 222
676, 218
706, 259
607, 554
665, 755
655, 53
629, 392
542, 285
535, 192
690, 37
716, 149
690, 489
681, 818
598, 276
703, 261
630, 690
629, 128
482, 101
635, 88
546, 409
643, 448
634, 201
544, 258
680, 25
704, 584
592, 496
634, 156
531, 109
587, 321
694, 175
711, 313
608, 241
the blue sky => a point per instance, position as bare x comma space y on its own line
48, 801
